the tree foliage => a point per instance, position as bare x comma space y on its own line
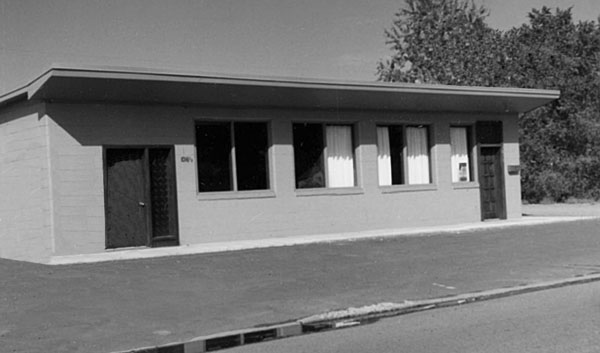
560, 143
449, 42
441, 41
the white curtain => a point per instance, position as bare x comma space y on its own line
418, 155
340, 156
384, 159
460, 154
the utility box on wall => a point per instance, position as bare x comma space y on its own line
514, 169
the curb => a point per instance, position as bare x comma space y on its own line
347, 318
315, 324
225, 340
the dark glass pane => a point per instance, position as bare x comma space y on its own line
213, 148
489, 132
396, 154
251, 144
308, 156
470, 153
161, 190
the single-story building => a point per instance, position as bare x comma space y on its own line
93, 160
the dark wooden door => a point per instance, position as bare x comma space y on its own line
126, 214
141, 208
491, 183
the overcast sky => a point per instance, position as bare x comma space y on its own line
335, 39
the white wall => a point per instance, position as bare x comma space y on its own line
25, 208
511, 157
78, 132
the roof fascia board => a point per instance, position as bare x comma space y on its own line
309, 84
14, 96
37, 85
34, 86
27, 91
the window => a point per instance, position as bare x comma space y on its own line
461, 154
403, 155
323, 159
232, 156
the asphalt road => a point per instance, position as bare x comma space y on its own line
120, 305
558, 320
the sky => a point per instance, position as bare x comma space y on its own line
324, 39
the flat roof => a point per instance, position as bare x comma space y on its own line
143, 86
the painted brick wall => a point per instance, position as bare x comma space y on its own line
78, 132
25, 208
511, 157
78, 192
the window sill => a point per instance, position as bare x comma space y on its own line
392, 189
235, 195
465, 185
329, 191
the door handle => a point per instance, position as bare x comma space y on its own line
142, 204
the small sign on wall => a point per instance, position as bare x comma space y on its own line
514, 169
463, 172
187, 159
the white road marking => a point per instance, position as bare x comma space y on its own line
443, 286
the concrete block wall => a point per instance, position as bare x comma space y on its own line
511, 157
78, 192
78, 132
25, 193
290, 212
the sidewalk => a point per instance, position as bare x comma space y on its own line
112, 306
561, 210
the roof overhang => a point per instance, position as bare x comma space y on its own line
137, 86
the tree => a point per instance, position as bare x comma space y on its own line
560, 143
448, 42
442, 41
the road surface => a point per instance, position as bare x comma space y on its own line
558, 320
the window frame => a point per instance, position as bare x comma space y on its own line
328, 189
234, 192
405, 185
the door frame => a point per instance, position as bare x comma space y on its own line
150, 241
501, 203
